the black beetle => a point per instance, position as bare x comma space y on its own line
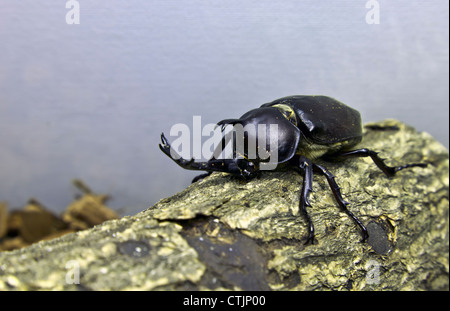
308, 128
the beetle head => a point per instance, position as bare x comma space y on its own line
244, 169
264, 138
248, 169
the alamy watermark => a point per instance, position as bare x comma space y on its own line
73, 15
251, 142
73, 272
373, 272
373, 15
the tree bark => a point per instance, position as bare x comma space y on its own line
221, 233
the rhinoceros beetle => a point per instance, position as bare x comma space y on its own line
309, 127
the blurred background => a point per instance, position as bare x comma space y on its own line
89, 100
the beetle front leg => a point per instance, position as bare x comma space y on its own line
171, 153
306, 166
388, 170
342, 203
213, 165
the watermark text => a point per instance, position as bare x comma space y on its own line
73, 15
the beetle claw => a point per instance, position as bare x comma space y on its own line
164, 146
310, 240
164, 141
167, 149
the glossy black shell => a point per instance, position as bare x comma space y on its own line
324, 120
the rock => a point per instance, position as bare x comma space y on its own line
221, 233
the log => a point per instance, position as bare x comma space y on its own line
222, 233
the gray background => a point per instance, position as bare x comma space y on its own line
90, 100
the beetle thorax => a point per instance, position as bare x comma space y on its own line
287, 112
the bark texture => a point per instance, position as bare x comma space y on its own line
221, 233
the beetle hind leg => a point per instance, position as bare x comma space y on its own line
342, 203
388, 170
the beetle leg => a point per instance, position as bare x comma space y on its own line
388, 170
167, 149
337, 194
216, 165
306, 166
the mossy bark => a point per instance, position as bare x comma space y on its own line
221, 233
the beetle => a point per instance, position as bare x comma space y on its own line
309, 127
